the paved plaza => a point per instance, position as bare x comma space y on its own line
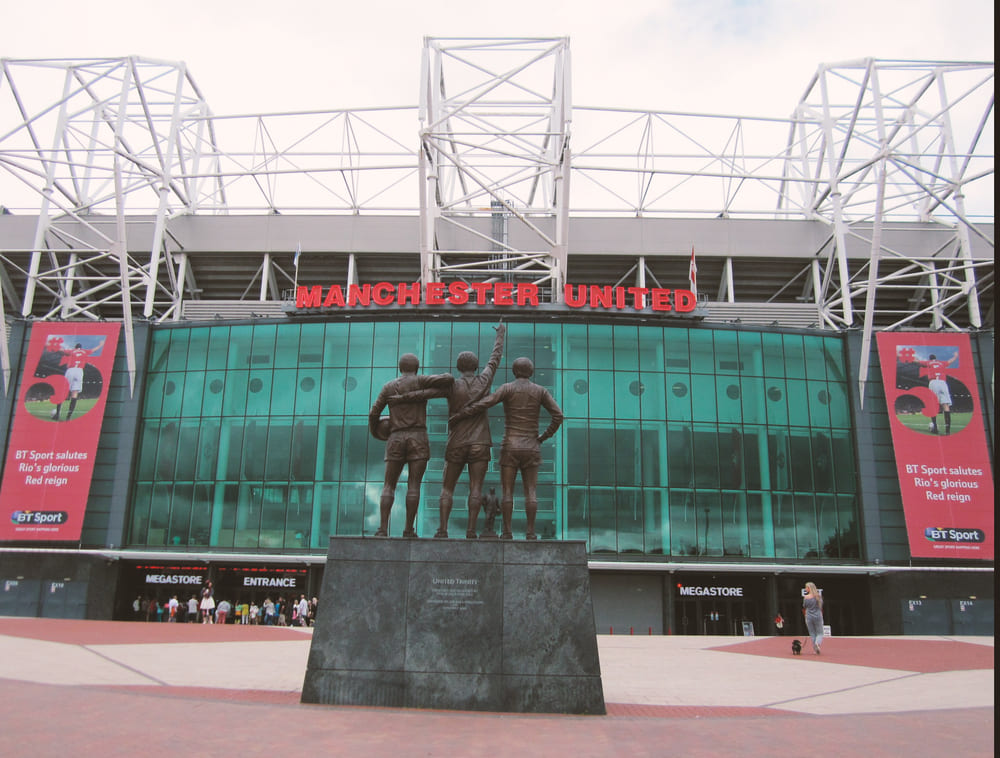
102, 688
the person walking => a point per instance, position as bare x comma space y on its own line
303, 609
812, 609
208, 604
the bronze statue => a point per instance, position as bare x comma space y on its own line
521, 449
491, 507
405, 436
469, 440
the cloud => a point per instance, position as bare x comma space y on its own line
726, 56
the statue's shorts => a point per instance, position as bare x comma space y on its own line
408, 445
520, 458
473, 453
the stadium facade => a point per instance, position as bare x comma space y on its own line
742, 319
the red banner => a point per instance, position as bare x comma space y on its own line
939, 440
57, 422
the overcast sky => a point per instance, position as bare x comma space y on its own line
749, 57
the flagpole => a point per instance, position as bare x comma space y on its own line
693, 275
295, 262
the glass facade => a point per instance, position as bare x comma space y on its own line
678, 441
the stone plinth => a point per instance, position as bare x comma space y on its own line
456, 624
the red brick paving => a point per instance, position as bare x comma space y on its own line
45, 720
50, 720
272, 697
924, 656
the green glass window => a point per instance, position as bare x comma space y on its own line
601, 394
187, 449
703, 398
773, 349
214, 390
311, 343
815, 355
819, 403
385, 347
652, 401
753, 400
603, 532
626, 347
840, 412
628, 390
201, 515
684, 534
602, 455
159, 345
286, 349
173, 394
656, 522
574, 398
575, 352
177, 353
335, 346
238, 349
751, 356
677, 441
577, 515
794, 356
702, 352
197, 357
806, 536
234, 401
728, 399
207, 462
218, 347
651, 354
600, 347
678, 394
179, 529
727, 356
193, 394
629, 516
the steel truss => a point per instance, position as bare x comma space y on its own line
878, 136
494, 142
104, 156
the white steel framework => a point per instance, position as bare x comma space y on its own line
102, 160
494, 142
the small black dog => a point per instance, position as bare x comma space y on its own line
796, 647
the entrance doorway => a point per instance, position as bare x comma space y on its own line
713, 615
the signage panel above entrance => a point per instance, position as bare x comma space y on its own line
492, 294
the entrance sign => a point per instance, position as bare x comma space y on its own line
56, 425
938, 437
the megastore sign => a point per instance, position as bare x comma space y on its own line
504, 294
717, 591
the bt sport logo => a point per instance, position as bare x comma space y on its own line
39, 517
954, 534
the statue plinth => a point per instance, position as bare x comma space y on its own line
493, 625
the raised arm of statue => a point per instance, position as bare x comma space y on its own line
494, 362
